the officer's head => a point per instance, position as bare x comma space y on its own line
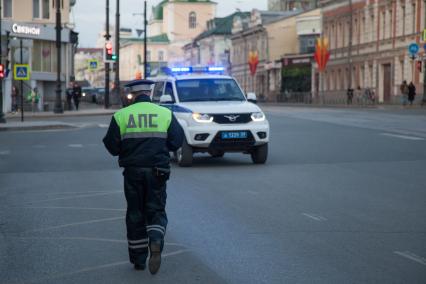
139, 88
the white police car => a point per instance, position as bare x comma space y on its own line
214, 113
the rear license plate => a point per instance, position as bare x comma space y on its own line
234, 135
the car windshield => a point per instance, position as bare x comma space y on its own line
196, 90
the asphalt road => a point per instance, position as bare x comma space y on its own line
342, 199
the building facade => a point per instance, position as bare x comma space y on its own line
213, 46
376, 56
262, 34
33, 23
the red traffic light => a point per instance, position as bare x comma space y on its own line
1, 71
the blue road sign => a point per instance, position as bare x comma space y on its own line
413, 48
424, 46
21, 72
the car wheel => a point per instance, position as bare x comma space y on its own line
217, 154
184, 155
259, 155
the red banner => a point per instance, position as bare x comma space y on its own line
321, 53
253, 61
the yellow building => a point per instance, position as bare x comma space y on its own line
33, 21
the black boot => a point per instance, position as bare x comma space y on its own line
139, 266
155, 257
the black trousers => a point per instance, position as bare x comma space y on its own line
146, 218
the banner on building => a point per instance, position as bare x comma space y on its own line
253, 61
322, 55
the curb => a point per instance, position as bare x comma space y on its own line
37, 127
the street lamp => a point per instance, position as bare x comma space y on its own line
2, 117
58, 102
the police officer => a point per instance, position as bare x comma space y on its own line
142, 135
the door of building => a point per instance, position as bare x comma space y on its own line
386, 83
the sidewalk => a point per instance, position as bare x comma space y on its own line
34, 121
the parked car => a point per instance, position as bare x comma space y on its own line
89, 94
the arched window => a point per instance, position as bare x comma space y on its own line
192, 20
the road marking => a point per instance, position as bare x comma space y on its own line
315, 217
75, 196
411, 256
109, 265
75, 145
4, 153
76, 224
403, 136
103, 125
73, 208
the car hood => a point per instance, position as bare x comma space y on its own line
221, 107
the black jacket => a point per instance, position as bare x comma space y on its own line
143, 152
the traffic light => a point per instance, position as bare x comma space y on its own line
2, 75
108, 53
419, 66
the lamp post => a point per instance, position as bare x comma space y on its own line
2, 117
107, 37
144, 42
117, 49
58, 102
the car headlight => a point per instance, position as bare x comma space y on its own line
258, 116
129, 96
84, 94
202, 117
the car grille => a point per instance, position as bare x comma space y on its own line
232, 118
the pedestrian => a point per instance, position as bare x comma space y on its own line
350, 95
69, 96
15, 98
358, 95
404, 92
142, 135
411, 93
33, 98
76, 95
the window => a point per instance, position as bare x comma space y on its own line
391, 23
414, 17
372, 27
45, 9
169, 90
403, 20
161, 56
192, 20
7, 8
384, 25
158, 91
36, 9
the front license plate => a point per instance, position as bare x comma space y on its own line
234, 135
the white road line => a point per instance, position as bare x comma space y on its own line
103, 125
403, 136
75, 145
4, 153
315, 217
76, 224
411, 256
75, 196
73, 208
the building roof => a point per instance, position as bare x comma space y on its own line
271, 16
158, 11
162, 39
221, 26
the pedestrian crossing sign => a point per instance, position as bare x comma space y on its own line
21, 72
93, 64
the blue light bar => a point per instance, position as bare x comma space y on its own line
198, 69
180, 69
216, 69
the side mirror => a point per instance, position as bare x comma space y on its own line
251, 97
166, 99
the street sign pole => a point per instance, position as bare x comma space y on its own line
107, 37
21, 82
58, 102
424, 57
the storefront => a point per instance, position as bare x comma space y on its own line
40, 53
296, 78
